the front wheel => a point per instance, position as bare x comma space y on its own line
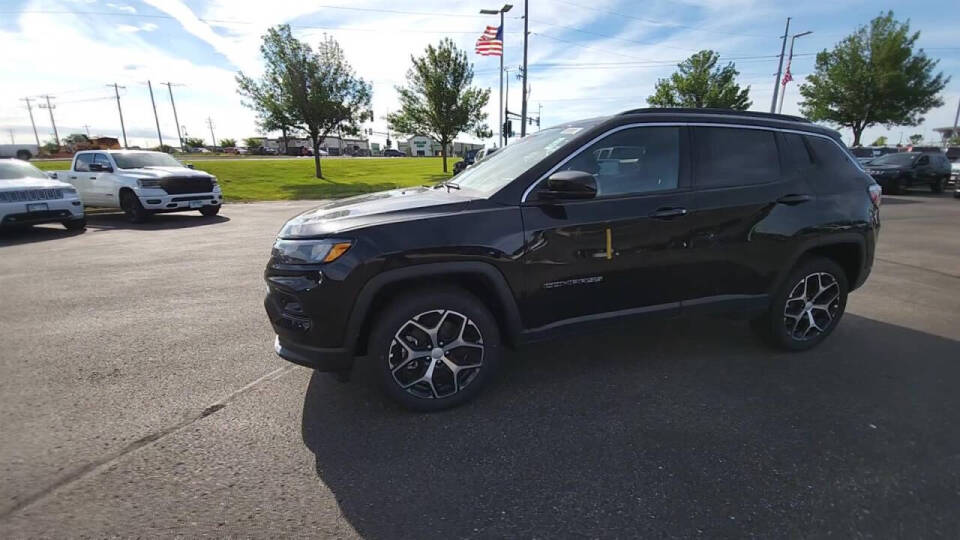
895, 186
210, 211
808, 306
435, 349
76, 224
130, 204
937, 185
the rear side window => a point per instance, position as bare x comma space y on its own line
796, 157
735, 157
83, 162
835, 172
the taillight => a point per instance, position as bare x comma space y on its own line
876, 194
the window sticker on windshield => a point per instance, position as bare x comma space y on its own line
571, 131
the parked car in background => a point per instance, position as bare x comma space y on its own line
28, 197
263, 151
764, 217
467, 161
141, 183
392, 152
897, 172
19, 151
866, 154
230, 150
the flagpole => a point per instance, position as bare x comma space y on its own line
789, 63
503, 141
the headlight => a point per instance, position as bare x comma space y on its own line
213, 179
308, 251
69, 191
149, 183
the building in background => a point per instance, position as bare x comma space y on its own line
421, 146
335, 146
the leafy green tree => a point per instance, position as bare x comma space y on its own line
253, 142
874, 76
50, 147
699, 83
881, 141
916, 139
438, 99
193, 142
228, 142
265, 97
316, 90
954, 141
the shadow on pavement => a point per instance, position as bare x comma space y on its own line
174, 220
676, 428
31, 235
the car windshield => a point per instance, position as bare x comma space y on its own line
499, 169
895, 159
13, 169
138, 160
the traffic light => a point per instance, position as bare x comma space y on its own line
508, 128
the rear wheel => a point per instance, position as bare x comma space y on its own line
130, 204
807, 307
210, 210
435, 349
76, 224
937, 185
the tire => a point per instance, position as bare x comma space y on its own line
24, 155
131, 206
210, 211
418, 372
799, 318
76, 224
896, 186
937, 185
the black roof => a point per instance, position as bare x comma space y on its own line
723, 112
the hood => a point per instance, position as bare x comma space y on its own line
32, 183
374, 209
164, 172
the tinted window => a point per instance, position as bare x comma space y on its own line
924, 160
732, 157
83, 162
796, 158
102, 159
636, 160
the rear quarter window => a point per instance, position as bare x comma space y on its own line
834, 171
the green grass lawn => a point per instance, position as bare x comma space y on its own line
268, 180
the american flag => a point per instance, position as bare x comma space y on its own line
787, 77
491, 42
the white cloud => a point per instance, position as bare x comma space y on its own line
122, 7
130, 29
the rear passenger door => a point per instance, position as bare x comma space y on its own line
747, 203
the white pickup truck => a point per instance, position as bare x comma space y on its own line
19, 151
141, 183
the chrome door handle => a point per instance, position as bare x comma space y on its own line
668, 213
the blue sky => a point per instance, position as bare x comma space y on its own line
587, 57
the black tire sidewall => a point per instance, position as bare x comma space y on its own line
773, 325
75, 224
131, 206
210, 211
404, 308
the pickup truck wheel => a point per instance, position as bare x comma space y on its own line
76, 224
131, 206
24, 155
210, 211
435, 349
807, 307
937, 185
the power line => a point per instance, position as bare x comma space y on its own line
608, 36
235, 21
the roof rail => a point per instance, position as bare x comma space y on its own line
726, 112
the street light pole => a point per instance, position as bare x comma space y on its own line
776, 82
526, 34
501, 11
789, 61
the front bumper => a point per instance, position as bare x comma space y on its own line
320, 359
58, 210
160, 200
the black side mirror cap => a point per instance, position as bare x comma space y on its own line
189, 165
569, 185
96, 167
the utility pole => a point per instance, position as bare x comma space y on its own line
155, 117
776, 82
955, 120
783, 92
32, 123
86, 128
539, 115
11, 137
170, 86
210, 124
526, 34
116, 91
49, 107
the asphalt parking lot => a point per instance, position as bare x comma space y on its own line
141, 397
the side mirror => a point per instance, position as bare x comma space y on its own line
566, 185
189, 165
98, 167
52, 175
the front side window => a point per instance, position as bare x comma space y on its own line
902, 160
102, 159
735, 156
632, 161
82, 164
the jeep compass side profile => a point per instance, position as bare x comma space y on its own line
646, 213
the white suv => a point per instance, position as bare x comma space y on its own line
29, 197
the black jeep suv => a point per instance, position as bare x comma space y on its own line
896, 172
649, 212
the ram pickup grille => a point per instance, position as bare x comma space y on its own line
31, 195
178, 185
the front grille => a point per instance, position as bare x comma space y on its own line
192, 198
31, 195
178, 185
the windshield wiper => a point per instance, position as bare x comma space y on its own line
449, 185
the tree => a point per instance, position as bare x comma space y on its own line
439, 100
266, 98
317, 91
699, 83
253, 142
916, 139
872, 77
954, 141
228, 142
881, 141
193, 142
75, 138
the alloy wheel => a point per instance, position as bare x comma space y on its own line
812, 306
436, 354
